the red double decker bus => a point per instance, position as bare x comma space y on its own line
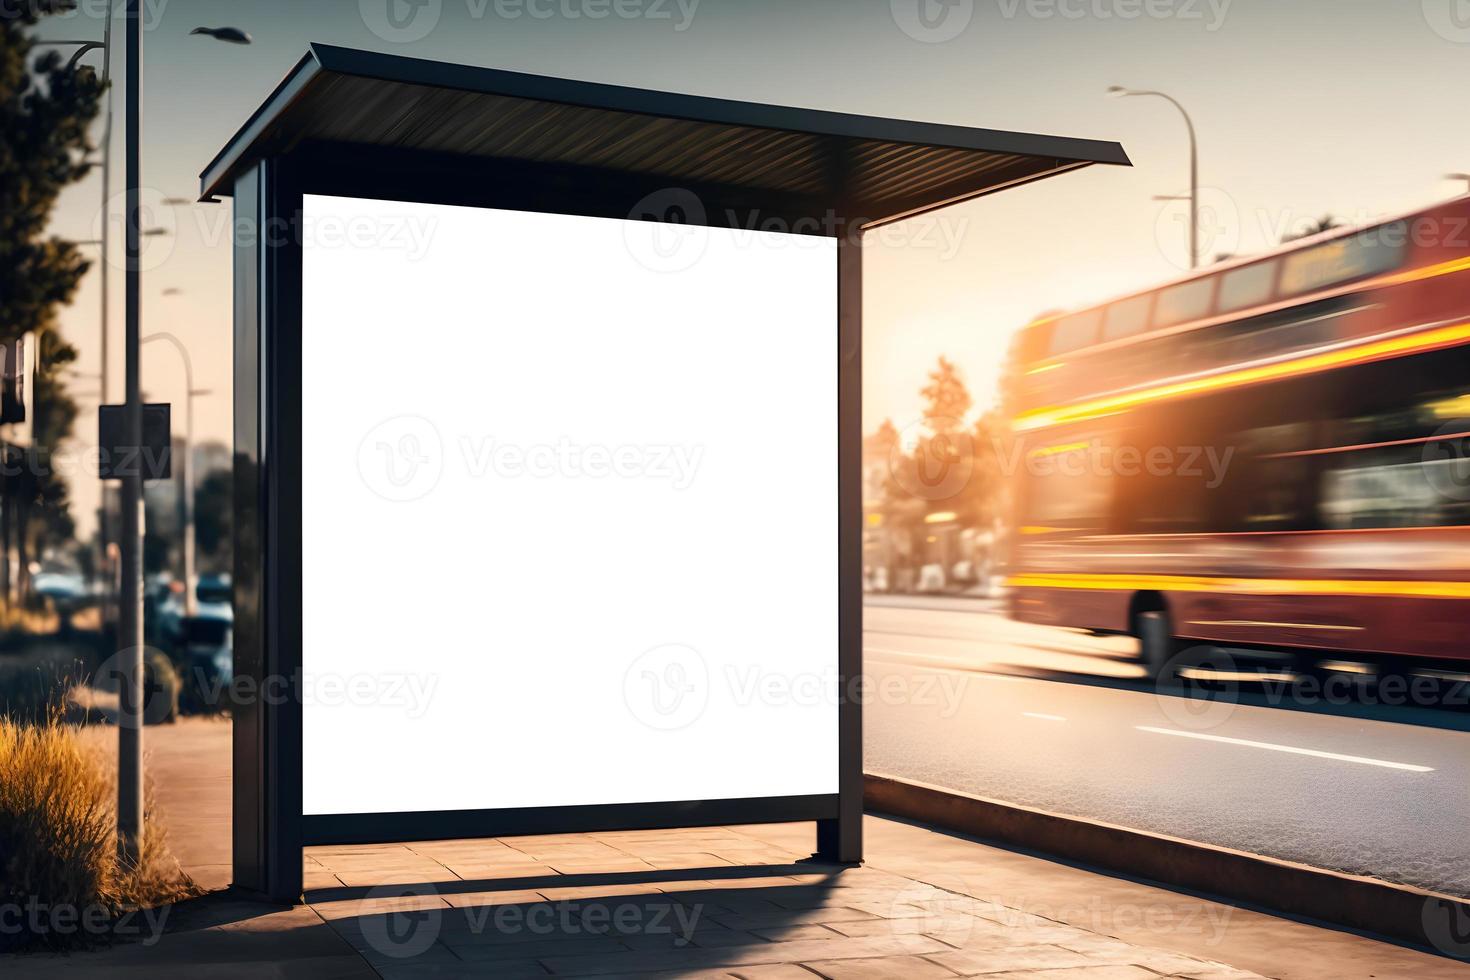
1269, 453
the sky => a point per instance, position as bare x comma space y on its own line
1346, 107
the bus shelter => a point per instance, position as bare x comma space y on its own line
515, 361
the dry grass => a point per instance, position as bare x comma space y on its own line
58, 835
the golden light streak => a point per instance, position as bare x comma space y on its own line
1426, 340
1242, 586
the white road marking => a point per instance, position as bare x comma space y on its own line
1037, 714
1287, 748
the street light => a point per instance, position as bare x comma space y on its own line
130, 593
186, 472
1121, 92
1464, 177
102, 270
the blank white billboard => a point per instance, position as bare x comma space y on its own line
569, 510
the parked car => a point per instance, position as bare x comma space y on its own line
204, 656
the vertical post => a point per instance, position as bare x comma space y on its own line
267, 727
130, 599
840, 839
104, 558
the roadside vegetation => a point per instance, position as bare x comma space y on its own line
58, 842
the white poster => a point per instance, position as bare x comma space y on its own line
569, 510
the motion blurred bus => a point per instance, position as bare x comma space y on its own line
1269, 453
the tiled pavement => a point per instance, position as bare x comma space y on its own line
715, 902
712, 902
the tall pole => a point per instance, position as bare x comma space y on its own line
187, 466
130, 538
106, 560
1193, 166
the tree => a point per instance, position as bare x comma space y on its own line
1325, 223
46, 110
214, 520
946, 399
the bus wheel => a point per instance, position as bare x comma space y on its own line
1156, 646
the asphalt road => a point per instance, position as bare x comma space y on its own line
1063, 720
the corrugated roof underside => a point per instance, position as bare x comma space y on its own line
353, 109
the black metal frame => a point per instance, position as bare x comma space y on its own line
270, 828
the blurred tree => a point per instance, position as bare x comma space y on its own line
946, 399
214, 520
45, 112
1325, 223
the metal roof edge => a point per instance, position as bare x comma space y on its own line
221, 168
320, 58
703, 108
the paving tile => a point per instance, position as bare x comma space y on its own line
490, 899
499, 969
538, 949
609, 892
972, 962
1219, 971
1080, 973
471, 871
774, 971
741, 956
791, 917
882, 968
786, 934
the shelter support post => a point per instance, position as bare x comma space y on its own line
840, 838
267, 850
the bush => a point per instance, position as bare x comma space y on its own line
34, 686
58, 837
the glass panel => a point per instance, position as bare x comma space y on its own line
1184, 302
1364, 254
1127, 316
1078, 330
1249, 285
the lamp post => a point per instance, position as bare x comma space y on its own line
186, 472
130, 540
1121, 92
102, 270
1457, 176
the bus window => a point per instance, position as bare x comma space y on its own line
1404, 464
1068, 490
1071, 332
1250, 285
1386, 489
1184, 302
1364, 254
1273, 486
1127, 317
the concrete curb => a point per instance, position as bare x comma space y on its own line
1397, 912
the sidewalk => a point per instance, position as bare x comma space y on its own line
709, 902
